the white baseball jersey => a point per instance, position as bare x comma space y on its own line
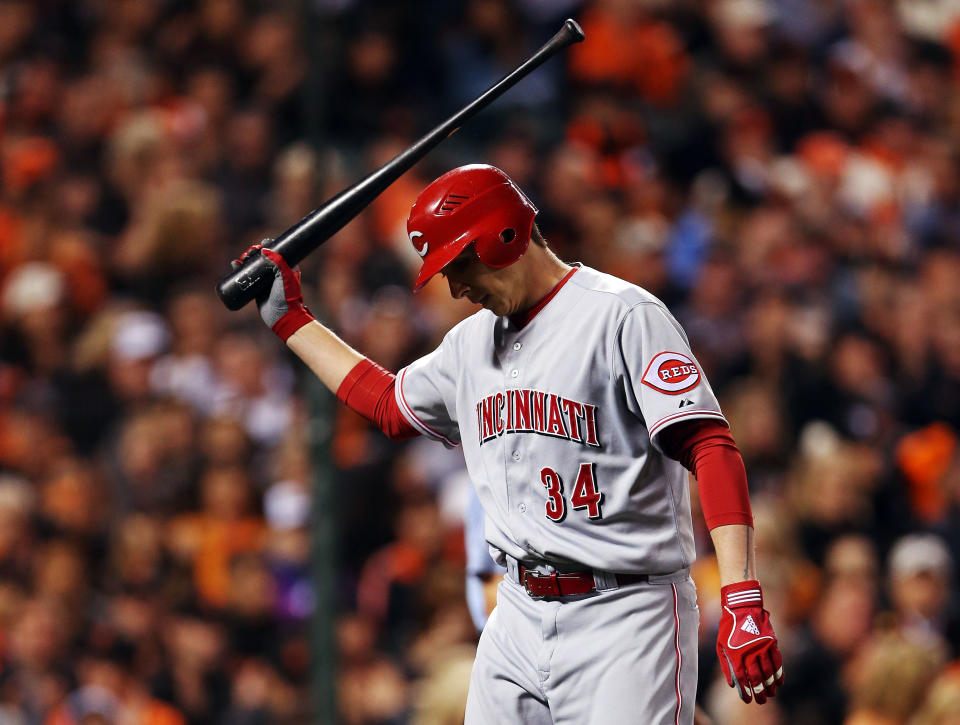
559, 422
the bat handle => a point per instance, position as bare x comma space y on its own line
246, 283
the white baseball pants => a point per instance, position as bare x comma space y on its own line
627, 655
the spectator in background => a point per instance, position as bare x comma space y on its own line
224, 526
942, 702
192, 676
109, 690
886, 659
186, 371
822, 651
920, 579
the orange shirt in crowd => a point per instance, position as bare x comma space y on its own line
212, 544
646, 54
153, 712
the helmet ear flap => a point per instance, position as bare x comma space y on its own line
506, 247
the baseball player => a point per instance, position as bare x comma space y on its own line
578, 404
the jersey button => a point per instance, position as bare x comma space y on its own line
522, 508
517, 345
516, 455
514, 373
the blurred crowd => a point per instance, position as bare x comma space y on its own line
784, 174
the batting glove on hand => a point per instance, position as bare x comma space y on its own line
746, 645
282, 309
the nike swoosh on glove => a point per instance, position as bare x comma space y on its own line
282, 309
746, 645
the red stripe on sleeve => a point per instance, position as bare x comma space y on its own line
706, 448
368, 390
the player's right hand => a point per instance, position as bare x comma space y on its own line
282, 309
746, 644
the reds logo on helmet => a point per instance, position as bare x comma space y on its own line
672, 373
421, 250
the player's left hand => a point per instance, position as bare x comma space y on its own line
746, 645
282, 308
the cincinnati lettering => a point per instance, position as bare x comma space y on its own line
533, 411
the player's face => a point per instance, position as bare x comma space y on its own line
499, 290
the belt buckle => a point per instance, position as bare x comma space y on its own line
537, 577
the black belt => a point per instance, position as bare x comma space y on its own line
564, 584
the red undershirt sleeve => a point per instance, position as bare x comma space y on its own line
706, 448
368, 390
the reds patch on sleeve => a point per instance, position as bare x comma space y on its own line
671, 373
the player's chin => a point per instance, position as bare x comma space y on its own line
489, 303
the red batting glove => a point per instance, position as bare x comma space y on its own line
746, 645
282, 309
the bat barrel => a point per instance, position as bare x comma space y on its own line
254, 278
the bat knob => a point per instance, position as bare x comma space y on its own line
574, 30
246, 283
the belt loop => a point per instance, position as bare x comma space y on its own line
605, 580
513, 570
672, 578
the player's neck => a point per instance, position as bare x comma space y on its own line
545, 273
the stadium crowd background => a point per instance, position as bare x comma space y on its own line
784, 174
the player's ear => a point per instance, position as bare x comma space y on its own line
537, 237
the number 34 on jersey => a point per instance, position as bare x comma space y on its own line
585, 494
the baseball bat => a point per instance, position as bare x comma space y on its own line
255, 276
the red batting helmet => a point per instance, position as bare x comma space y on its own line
475, 203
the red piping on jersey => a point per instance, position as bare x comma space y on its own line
658, 426
706, 448
368, 390
676, 644
522, 319
414, 418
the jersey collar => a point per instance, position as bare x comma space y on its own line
522, 319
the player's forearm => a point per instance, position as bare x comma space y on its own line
735, 553
329, 357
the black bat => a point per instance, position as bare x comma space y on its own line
256, 275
